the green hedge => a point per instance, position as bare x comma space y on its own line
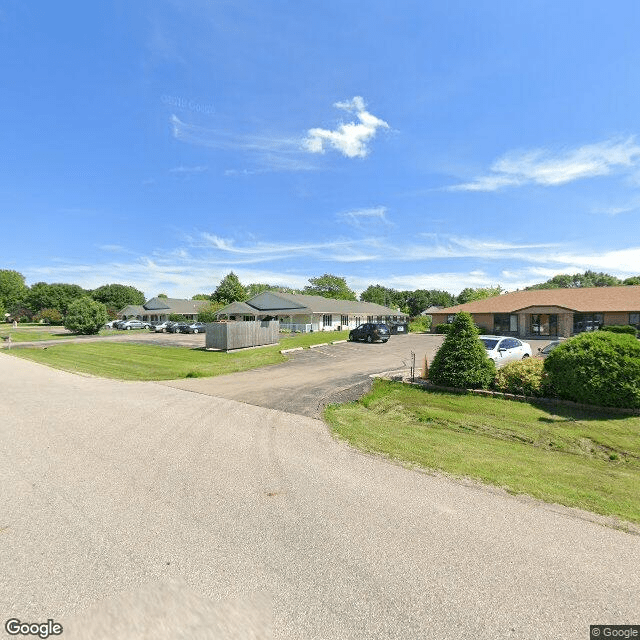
600, 368
523, 377
620, 328
443, 328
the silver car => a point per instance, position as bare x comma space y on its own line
503, 349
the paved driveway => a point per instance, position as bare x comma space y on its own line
315, 377
132, 505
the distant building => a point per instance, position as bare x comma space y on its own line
158, 309
550, 312
309, 313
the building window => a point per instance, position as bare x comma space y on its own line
369, 318
505, 323
327, 320
357, 320
634, 319
587, 322
344, 321
451, 318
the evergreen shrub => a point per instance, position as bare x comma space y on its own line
462, 360
523, 377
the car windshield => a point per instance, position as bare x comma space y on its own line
489, 343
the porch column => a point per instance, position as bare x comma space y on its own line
522, 325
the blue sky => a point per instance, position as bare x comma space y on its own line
413, 144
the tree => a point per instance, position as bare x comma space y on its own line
377, 294
208, 313
462, 360
229, 290
420, 299
58, 295
117, 296
577, 280
12, 289
329, 286
2, 311
481, 293
201, 296
162, 295
255, 288
631, 281
85, 316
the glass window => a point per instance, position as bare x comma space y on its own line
587, 322
344, 320
450, 318
327, 320
634, 318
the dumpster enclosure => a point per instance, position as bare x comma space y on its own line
241, 334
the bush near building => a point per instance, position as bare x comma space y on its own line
600, 368
462, 359
523, 377
620, 328
49, 316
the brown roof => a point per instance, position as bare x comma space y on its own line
584, 299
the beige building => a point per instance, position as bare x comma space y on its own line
158, 309
550, 312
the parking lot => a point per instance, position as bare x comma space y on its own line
315, 377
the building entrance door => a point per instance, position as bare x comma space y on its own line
544, 324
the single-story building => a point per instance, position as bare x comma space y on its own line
550, 312
309, 313
159, 309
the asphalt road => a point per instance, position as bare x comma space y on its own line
137, 510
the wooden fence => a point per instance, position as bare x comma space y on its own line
240, 334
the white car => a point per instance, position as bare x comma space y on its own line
503, 349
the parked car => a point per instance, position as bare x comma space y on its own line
177, 327
370, 331
196, 327
133, 324
543, 352
117, 324
503, 349
160, 326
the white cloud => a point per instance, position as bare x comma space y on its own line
182, 170
362, 218
545, 168
350, 139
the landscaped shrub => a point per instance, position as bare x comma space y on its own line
523, 377
443, 328
421, 324
50, 316
600, 368
462, 359
177, 317
620, 328
85, 316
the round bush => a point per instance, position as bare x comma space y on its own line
462, 359
620, 328
600, 368
442, 328
523, 377
85, 316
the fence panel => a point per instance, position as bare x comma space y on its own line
240, 334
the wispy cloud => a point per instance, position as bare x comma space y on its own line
267, 153
352, 138
547, 168
112, 248
628, 207
363, 218
182, 170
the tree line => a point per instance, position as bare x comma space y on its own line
51, 302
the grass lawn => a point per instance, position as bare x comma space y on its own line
130, 361
39, 332
578, 458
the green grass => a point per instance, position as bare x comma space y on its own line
578, 458
131, 361
40, 332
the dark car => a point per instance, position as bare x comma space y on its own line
178, 327
370, 331
545, 351
196, 327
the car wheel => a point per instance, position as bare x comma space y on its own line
369, 339
195, 331
164, 330
128, 328
383, 341
526, 355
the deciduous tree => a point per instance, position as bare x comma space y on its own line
229, 290
85, 316
329, 286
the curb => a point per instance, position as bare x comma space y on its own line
284, 351
321, 344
